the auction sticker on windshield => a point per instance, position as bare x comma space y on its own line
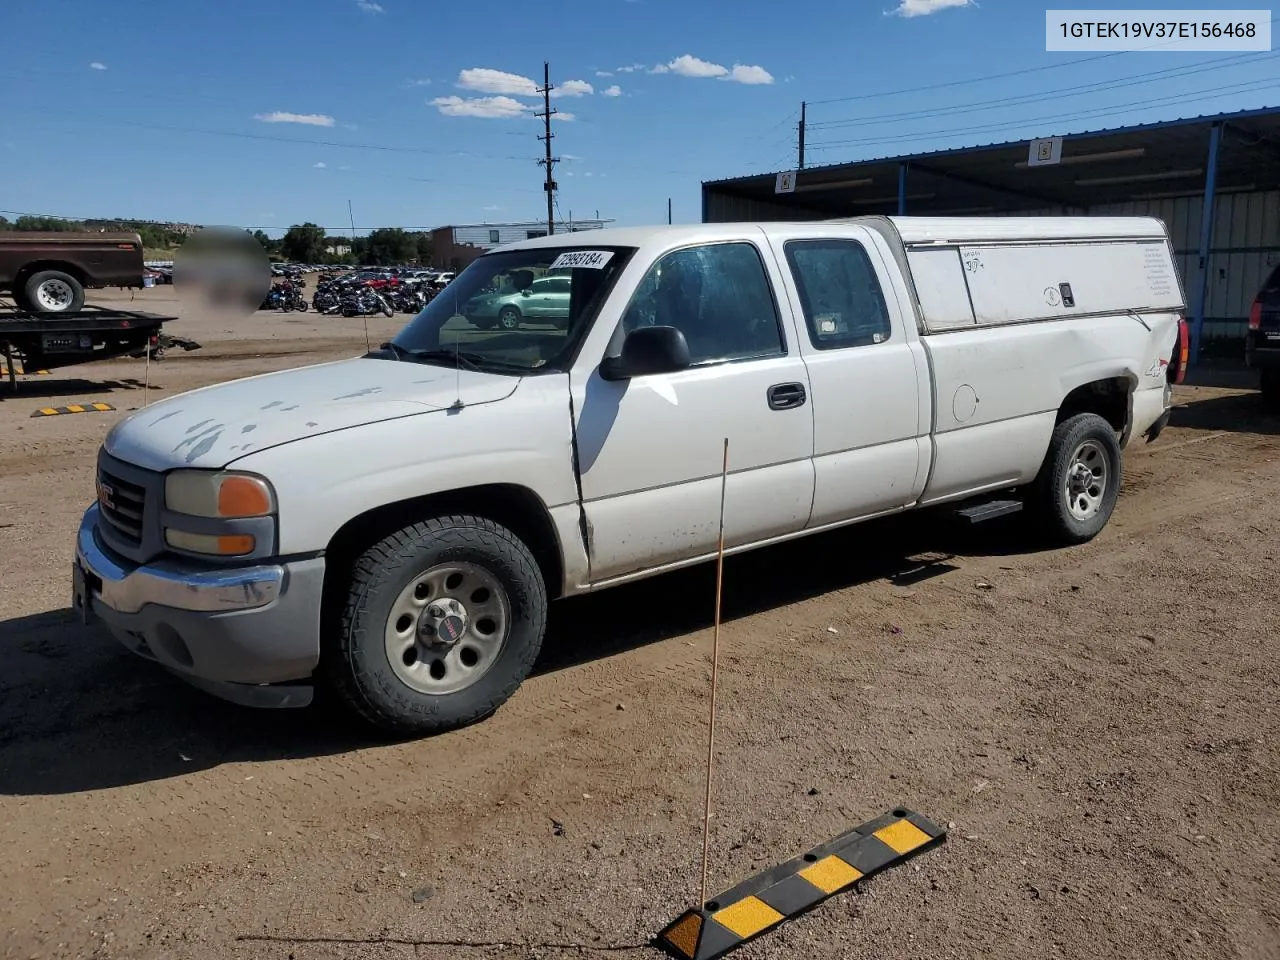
591, 259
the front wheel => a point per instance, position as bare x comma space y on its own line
1076, 491
509, 318
442, 623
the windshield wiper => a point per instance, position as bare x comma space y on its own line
473, 361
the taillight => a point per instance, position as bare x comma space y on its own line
1181, 353
1255, 315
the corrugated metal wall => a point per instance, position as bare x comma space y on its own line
1246, 243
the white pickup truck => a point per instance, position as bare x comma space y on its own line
393, 526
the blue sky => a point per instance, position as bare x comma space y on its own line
419, 112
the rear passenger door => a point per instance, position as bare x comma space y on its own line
869, 379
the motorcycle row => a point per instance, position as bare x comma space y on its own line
352, 296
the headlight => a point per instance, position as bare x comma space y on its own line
220, 495
218, 513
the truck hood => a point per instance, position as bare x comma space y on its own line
213, 426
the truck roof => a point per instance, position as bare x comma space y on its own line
911, 230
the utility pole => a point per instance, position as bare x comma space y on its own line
803, 106
548, 161
668, 211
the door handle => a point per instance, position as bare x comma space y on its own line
785, 396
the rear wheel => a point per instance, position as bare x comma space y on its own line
1075, 493
442, 623
509, 318
53, 291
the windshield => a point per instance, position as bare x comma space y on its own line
521, 311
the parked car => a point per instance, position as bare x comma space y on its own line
393, 526
48, 273
1262, 343
545, 300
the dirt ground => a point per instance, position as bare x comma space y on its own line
1098, 726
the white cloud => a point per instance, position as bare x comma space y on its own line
587, 174
344, 168
613, 91
97, 65
749, 75
485, 80
634, 68
420, 83
487, 108
604, 73
573, 88
561, 115
922, 8
691, 66
320, 165
309, 119
492, 208
571, 157
368, 6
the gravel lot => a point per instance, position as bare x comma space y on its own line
1098, 724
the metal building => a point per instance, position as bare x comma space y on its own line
1228, 164
453, 247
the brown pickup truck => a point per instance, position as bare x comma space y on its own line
49, 272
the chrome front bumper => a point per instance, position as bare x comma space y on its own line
237, 633
177, 586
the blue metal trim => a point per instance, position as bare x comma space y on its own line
902, 188
980, 148
1206, 241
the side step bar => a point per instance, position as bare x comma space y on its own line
989, 510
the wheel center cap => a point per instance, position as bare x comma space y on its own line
443, 623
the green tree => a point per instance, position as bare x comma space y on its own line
390, 245
425, 249
303, 243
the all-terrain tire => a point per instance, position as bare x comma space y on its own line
53, 291
357, 665
1075, 492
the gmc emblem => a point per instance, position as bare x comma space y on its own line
106, 496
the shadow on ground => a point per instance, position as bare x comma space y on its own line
41, 387
79, 713
1233, 413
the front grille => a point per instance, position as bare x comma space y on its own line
123, 506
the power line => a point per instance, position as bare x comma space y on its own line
1250, 86
1023, 99
999, 76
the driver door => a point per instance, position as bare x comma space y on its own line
651, 449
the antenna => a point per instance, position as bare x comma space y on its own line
365, 317
457, 362
548, 161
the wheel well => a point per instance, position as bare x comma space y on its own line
31, 268
1108, 398
517, 508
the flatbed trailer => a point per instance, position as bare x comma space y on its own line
46, 342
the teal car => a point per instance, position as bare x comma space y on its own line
544, 301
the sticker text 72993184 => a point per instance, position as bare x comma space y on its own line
591, 259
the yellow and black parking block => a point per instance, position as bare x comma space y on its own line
73, 408
21, 372
756, 906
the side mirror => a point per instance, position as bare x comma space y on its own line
526, 292
648, 350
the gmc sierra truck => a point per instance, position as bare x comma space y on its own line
393, 526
